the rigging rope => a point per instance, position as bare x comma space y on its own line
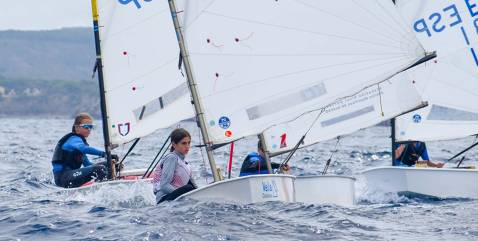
463, 158
327, 164
468, 148
289, 156
427, 57
154, 160
380, 98
322, 109
129, 150
154, 167
124, 157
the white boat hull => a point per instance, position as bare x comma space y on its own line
262, 188
96, 186
437, 182
133, 172
322, 189
248, 189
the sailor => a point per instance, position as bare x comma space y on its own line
255, 163
70, 154
409, 154
173, 176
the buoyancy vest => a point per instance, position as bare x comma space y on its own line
411, 153
254, 164
72, 159
182, 173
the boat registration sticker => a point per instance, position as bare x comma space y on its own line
417, 118
269, 189
124, 128
224, 122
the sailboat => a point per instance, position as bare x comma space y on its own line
449, 84
249, 66
254, 70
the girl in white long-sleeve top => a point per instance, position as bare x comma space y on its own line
173, 176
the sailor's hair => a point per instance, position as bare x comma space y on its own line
177, 135
80, 118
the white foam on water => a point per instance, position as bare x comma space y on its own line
367, 194
125, 194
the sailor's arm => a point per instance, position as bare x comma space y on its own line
193, 182
75, 142
167, 174
432, 164
86, 161
426, 159
399, 150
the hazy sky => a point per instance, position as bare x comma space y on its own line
44, 14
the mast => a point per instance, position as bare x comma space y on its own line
266, 152
392, 124
99, 65
193, 88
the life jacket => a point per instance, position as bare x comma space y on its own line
412, 153
253, 164
71, 159
181, 177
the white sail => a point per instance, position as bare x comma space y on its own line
370, 107
144, 87
449, 83
258, 63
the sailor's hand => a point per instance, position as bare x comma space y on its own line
119, 166
440, 164
285, 169
114, 157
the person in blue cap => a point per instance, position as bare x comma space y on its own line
255, 163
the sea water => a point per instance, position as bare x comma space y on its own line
32, 208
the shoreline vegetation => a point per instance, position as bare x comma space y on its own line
19, 97
48, 73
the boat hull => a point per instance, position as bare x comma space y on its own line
323, 189
285, 188
248, 189
436, 182
96, 186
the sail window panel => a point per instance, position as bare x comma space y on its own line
408, 128
286, 102
443, 113
161, 102
348, 116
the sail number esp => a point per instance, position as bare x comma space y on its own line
449, 17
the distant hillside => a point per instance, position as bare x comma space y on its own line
48, 72
65, 54
20, 97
